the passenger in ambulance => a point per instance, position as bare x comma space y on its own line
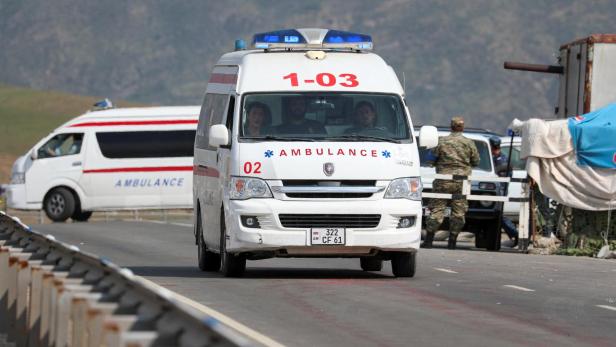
365, 119
258, 118
294, 119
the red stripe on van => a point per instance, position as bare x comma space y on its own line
199, 170
223, 78
141, 169
137, 122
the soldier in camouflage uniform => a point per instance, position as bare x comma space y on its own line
455, 155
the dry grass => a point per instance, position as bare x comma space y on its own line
6, 162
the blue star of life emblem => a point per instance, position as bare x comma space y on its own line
269, 153
386, 154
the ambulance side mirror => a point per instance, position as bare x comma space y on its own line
428, 136
34, 154
219, 135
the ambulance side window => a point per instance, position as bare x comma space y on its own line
212, 112
61, 145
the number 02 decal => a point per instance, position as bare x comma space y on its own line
252, 168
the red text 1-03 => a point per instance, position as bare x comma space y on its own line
324, 79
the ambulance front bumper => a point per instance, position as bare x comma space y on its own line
277, 236
16, 198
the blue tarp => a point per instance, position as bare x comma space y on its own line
594, 137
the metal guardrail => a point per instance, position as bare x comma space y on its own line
52, 294
524, 200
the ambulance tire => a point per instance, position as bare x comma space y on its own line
371, 263
403, 264
208, 261
59, 204
81, 216
231, 265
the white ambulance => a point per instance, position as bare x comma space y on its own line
124, 158
305, 148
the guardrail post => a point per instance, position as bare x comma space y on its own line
24, 276
4, 289
35, 307
95, 317
523, 220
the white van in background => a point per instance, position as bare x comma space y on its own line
305, 148
125, 158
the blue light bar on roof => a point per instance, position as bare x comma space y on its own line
336, 36
291, 36
312, 38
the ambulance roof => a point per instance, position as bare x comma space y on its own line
263, 71
136, 113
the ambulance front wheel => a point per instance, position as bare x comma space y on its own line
403, 264
59, 204
231, 265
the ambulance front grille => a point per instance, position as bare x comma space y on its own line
329, 220
329, 195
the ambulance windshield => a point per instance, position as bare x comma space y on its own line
324, 117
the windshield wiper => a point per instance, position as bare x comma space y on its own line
277, 138
362, 137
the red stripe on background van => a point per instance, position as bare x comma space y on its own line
141, 169
223, 78
136, 122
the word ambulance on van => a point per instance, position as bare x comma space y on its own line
305, 148
124, 158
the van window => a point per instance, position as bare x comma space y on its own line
212, 112
61, 145
333, 116
426, 158
146, 144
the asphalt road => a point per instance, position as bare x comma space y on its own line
457, 298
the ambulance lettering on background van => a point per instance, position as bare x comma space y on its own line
125, 158
305, 148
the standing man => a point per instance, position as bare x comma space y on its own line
500, 163
455, 155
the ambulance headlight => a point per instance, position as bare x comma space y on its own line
404, 188
242, 188
18, 178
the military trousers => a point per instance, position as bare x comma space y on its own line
438, 207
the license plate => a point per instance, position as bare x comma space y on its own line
327, 236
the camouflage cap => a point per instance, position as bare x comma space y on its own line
457, 121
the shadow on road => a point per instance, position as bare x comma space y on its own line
312, 273
172, 271
259, 273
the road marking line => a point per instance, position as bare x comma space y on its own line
445, 270
607, 307
187, 225
226, 320
519, 288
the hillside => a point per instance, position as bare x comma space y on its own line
161, 52
26, 115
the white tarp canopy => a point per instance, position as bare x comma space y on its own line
551, 163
